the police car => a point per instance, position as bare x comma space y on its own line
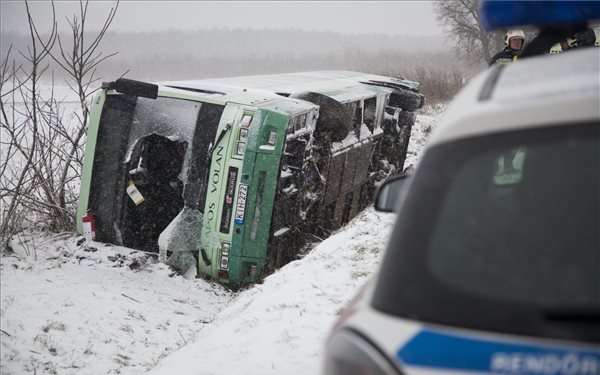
493, 265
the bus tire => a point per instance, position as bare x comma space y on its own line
407, 100
406, 119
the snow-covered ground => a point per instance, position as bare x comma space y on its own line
70, 307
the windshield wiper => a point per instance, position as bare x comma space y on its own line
212, 147
223, 132
573, 314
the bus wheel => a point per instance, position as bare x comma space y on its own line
406, 119
407, 100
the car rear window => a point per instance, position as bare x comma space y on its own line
502, 232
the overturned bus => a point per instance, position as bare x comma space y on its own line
240, 172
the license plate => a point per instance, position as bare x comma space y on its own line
241, 204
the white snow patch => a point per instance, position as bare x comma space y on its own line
97, 309
279, 327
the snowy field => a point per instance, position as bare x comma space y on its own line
70, 307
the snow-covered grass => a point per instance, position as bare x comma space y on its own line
69, 307
279, 327
95, 308
427, 120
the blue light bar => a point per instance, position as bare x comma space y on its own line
501, 14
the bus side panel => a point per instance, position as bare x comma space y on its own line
347, 179
334, 177
241, 225
259, 213
253, 239
88, 160
210, 249
362, 165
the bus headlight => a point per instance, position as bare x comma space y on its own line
241, 148
225, 247
272, 138
224, 263
243, 135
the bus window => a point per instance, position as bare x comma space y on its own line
291, 129
294, 153
300, 122
313, 120
358, 117
369, 113
356, 111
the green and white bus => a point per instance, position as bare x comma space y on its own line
240, 172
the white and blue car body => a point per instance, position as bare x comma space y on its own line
493, 265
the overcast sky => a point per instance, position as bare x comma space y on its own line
348, 17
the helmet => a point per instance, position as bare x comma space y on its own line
512, 34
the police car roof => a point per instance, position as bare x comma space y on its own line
535, 92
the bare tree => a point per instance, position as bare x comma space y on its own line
21, 126
461, 19
80, 61
42, 152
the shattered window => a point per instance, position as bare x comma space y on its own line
174, 119
370, 113
291, 128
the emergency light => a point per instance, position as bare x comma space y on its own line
499, 14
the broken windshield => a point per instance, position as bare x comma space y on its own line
194, 123
174, 119
161, 147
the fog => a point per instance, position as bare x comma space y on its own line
176, 54
348, 17
173, 40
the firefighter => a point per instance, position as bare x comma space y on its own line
513, 41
